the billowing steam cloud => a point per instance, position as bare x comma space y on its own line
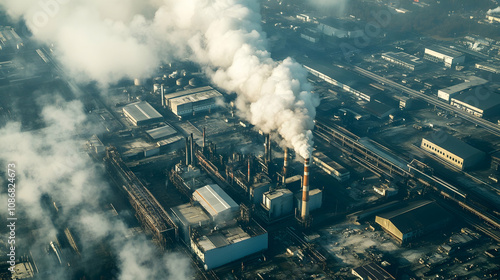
110, 40
50, 161
493, 11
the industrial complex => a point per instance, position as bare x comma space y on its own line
393, 172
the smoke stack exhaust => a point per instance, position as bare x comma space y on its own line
285, 166
305, 191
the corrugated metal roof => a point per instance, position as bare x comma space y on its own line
416, 215
142, 111
215, 200
161, 132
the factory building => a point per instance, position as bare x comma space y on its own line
372, 271
331, 167
310, 35
257, 191
162, 132
142, 113
96, 145
186, 216
480, 105
192, 101
188, 178
452, 150
379, 109
414, 220
340, 29
216, 202
471, 82
348, 81
223, 246
278, 203
447, 56
489, 67
315, 200
493, 18
404, 60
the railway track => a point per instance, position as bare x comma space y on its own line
489, 126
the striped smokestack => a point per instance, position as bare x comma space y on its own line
285, 165
305, 191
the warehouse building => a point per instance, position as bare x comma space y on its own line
278, 203
348, 81
192, 101
216, 202
484, 104
372, 271
404, 60
471, 82
379, 109
162, 132
489, 67
223, 246
141, 113
414, 220
452, 150
334, 27
447, 56
331, 167
187, 216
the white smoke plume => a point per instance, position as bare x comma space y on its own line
493, 11
110, 40
51, 161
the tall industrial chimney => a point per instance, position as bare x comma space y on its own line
204, 139
249, 171
285, 166
192, 148
305, 191
162, 89
187, 151
268, 149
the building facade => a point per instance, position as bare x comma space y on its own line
448, 57
452, 150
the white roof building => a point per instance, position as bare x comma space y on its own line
216, 202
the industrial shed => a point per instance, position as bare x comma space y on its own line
142, 113
186, 216
223, 246
480, 104
161, 132
452, 150
216, 202
414, 220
